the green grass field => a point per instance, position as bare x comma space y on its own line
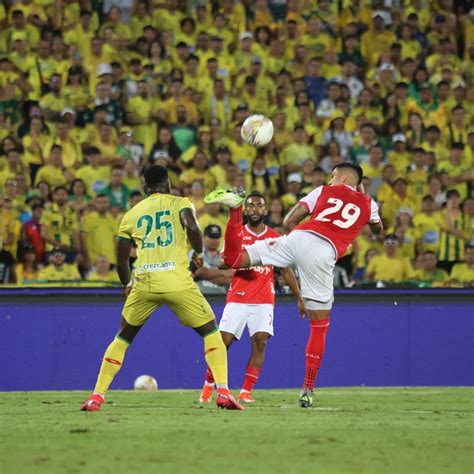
354, 430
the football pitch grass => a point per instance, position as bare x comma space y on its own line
349, 430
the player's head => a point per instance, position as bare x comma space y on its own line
255, 208
155, 180
390, 243
347, 173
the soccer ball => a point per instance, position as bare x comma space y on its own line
257, 130
145, 382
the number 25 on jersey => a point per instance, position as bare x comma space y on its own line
348, 215
161, 224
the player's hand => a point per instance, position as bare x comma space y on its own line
197, 260
126, 290
302, 308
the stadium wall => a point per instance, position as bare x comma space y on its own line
56, 341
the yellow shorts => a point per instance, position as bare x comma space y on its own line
189, 305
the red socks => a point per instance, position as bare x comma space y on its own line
233, 239
315, 350
209, 376
251, 377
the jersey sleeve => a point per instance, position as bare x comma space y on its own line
371, 267
187, 204
374, 212
126, 228
311, 199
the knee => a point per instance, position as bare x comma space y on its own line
260, 343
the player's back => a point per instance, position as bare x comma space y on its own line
338, 213
162, 248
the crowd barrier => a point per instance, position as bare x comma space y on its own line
54, 339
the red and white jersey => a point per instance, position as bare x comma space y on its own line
255, 285
338, 214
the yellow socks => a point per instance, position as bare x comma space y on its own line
215, 353
111, 364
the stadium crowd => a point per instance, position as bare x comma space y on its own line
92, 92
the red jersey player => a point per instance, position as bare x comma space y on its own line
338, 212
250, 301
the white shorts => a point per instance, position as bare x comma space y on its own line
257, 317
313, 258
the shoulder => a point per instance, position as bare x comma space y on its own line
270, 232
185, 203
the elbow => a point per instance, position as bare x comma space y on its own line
289, 222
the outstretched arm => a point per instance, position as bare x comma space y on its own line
295, 216
292, 282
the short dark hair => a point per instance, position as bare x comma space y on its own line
433, 128
452, 193
14, 150
58, 188
350, 166
92, 150
156, 176
457, 146
257, 195
457, 107
134, 194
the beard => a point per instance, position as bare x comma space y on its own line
256, 220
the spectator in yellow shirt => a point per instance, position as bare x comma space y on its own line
455, 174
428, 225
54, 173
13, 168
198, 172
315, 40
102, 271
58, 270
429, 271
213, 215
7, 224
34, 144
95, 176
60, 225
373, 169
71, 150
53, 102
464, 272
294, 186
99, 229
28, 268
388, 267
295, 154
399, 198
377, 40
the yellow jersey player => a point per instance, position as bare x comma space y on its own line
161, 227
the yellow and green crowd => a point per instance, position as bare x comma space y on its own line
93, 92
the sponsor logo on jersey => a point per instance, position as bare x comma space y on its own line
156, 267
263, 270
